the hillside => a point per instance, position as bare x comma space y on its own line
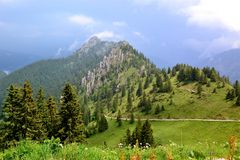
134, 84
113, 76
54, 73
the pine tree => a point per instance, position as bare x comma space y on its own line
163, 109
129, 100
31, 122
86, 116
128, 137
199, 89
238, 101
71, 119
168, 87
123, 91
230, 94
115, 104
148, 106
131, 121
11, 127
140, 89
53, 118
42, 112
119, 118
157, 109
136, 135
146, 134
147, 82
102, 124
237, 88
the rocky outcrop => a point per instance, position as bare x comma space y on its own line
115, 58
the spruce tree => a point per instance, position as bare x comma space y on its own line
119, 118
157, 109
199, 89
128, 137
102, 124
147, 82
237, 88
123, 91
53, 118
238, 101
146, 134
131, 120
71, 119
115, 104
11, 127
136, 135
86, 116
140, 89
31, 121
42, 112
129, 101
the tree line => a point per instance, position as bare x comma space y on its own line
142, 135
26, 117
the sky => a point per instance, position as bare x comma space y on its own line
166, 31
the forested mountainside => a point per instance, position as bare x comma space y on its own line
54, 73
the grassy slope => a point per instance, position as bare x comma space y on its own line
185, 132
185, 104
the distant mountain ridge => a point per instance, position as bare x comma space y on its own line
52, 74
2, 74
227, 63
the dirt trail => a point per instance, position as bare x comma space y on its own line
165, 119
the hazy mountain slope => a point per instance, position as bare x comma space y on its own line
2, 74
52, 74
10, 61
227, 63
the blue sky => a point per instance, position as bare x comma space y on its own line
167, 31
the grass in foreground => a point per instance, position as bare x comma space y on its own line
52, 149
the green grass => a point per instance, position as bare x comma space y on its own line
186, 104
52, 149
184, 132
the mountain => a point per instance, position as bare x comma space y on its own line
113, 76
134, 84
52, 74
16, 60
227, 63
2, 74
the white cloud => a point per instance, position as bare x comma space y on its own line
215, 13
6, 1
120, 23
220, 44
81, 20
170, 4
138, 34
74, 46
107, 35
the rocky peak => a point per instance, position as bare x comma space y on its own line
96, 46
114, 59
